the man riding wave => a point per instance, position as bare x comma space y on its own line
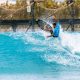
55, 29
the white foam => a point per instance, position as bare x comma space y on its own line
72, 41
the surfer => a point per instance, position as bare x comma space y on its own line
54, 30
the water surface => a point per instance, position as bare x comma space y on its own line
32, 56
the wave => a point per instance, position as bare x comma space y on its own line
64, 50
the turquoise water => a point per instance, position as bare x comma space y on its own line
32, 56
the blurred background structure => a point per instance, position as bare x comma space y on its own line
34, 10
42, 8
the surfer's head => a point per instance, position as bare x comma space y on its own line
54, 25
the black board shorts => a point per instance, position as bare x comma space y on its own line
55, 36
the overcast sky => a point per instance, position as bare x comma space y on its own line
3, 1
13, 1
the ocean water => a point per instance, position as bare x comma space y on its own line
32, 56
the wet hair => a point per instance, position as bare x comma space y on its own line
54, 24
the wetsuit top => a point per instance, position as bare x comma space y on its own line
56, 30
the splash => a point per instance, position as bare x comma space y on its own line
64, 50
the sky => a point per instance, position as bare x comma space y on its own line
13, 1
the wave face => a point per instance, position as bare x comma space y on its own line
32, 52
